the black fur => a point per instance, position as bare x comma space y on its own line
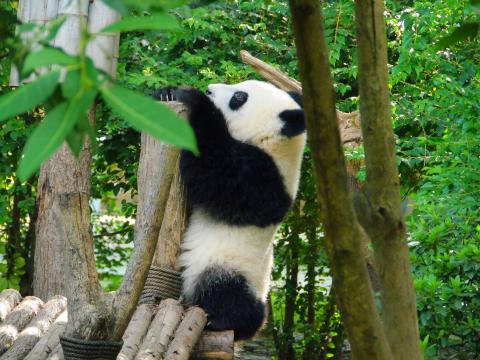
234, 182
237, 100
229, 302
297, 97
294, 122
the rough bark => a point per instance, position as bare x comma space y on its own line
9, 298
214, 345
381, 214
136, 330
50, 340
343, 236
187, 334
161, 331
61, 174
173, 226
35, 329
153, 197
16, 321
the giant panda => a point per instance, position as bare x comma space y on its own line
251, 138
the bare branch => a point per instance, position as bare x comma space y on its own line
384, 219
343, 233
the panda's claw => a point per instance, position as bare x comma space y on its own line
166, 94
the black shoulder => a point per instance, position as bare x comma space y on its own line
297, 97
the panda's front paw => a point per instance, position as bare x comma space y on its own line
166, 94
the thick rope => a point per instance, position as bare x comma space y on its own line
162, 283
76, 349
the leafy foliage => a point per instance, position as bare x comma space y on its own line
435, 96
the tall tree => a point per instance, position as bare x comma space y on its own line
344, 234
380, 211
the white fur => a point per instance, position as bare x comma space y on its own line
246, 249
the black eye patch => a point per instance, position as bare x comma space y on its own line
238, 99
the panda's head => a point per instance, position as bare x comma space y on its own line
258, 113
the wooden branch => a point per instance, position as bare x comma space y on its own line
36, 328
17, 320
9, 298
153, 197
214, 345
271, 74
343, 233
382, 187
161, 332
50, 340
136, 330
187, 334
173, 226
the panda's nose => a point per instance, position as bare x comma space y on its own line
208, 92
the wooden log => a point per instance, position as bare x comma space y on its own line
9, 298
57, 353
36, 328
214, 345
17, 320
48, 343
271, 74
136, 330
187, 334
173, 226
161, 330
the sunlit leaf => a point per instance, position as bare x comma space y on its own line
46, 57
154, 22
145, 114
52, 131
26, 97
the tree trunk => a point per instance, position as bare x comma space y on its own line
343, 234
381, 212
287, 352
309, 351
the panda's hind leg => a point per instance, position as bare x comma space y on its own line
229, 302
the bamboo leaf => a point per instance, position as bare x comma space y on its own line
145, 114
117, 5
154, 22
46, 57
52, 131
28, 96
464, 32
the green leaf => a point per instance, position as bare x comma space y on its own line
71, 84
145, 114
52, 131
53, 27
464, 32
117, 5
75, 140
154, 22
28, 96
46, 57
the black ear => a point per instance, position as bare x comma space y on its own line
297, 97
294, 122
